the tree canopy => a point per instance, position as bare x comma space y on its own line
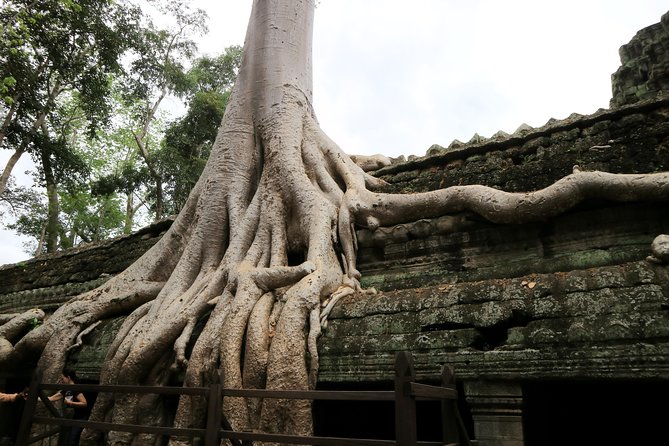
82, 89
56, 59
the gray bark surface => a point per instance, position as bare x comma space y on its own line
263, 249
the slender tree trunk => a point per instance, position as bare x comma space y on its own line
129, 213
130, 210
40, 244
140, 140
4, 178
53, 208
6, 173
8, 118
102, 208
159, 197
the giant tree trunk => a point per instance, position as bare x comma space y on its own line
264, 239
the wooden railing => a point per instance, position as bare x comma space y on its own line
407, 392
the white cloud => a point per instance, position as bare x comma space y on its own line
12, 248
402, 76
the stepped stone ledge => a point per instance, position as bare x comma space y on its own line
533, 317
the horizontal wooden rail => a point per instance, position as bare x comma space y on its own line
44, 435
405, 395
433, 392
114, 388
316, 441
333, 395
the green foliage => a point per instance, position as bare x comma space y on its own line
30, 223
49, 46
92, 125
18, 200
210, 74
188, 140
156, 71
83, 218
158, 65
56, 59
34, 323
66, 166
70, 160
88, 218
5, 89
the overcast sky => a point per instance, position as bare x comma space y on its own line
395, 77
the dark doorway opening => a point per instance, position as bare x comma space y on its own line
376, 419
595, 413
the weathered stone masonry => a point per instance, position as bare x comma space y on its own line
570, 299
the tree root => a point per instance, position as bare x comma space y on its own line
262, 251
79, 342
14, 326
377, 209
659, 250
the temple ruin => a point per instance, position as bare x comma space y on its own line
558, 331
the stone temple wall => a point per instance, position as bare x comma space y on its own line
49, 280
571, 297
645, 65
547, 299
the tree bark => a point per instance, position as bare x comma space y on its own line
53, 208
254, 255
7, 171
39, 121
9, 116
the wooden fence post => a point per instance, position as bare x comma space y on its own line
449, 410
453, 427
405, 403
29, 409
213, 412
